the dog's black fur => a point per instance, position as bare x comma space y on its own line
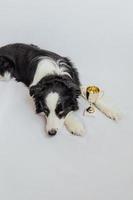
21, 60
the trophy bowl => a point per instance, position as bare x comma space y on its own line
92, 93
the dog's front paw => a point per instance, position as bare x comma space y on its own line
113, 115
75, 127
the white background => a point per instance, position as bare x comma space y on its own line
98, 36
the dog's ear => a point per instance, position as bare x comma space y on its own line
34, 90
73, 87
36, 93
39, 105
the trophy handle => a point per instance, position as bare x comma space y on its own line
83, 91
101, 94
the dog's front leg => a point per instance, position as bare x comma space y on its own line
73, 125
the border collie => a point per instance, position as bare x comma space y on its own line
52, 80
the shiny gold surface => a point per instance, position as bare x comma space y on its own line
93, 89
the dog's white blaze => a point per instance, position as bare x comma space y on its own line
53, 122
47, 66
51, 100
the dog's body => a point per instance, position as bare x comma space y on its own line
52, 80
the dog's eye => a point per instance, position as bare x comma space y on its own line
46, 111
60, 114
59, 110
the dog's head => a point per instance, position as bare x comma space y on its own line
55, 96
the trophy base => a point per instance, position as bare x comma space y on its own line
90, 110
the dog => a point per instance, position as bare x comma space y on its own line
52, 80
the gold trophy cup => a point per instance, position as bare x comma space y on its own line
91, 93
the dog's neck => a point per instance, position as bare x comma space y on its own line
46, 66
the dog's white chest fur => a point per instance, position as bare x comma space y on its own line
47, 66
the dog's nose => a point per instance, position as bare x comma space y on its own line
52, 132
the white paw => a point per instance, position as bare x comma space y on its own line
75, 127
5, 77
113, 115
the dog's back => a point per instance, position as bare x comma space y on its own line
20, 61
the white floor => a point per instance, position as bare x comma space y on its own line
98, 36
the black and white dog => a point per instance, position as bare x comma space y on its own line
52, 80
